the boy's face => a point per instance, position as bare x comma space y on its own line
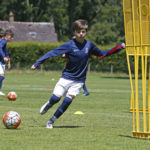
80, 35
8, 37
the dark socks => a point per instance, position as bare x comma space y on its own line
1, 81
63, 107
85, 89
53, 100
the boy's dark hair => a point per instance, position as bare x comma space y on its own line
2, 32
9, 32
79, 24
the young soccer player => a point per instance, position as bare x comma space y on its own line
4, 57
73, 76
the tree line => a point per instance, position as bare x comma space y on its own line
105, 17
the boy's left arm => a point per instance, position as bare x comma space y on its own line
99, 53
63, 49
9, 64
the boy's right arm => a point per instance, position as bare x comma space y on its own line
65, 48
9, 64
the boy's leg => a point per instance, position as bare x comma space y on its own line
53, 100
62, 108
86, 92
2, 77
70, 89
1, 81
58, 92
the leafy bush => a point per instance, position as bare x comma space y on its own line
102, 33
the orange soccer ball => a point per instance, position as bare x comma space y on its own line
12, 96
11, 120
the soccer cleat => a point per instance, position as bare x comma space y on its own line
45, 108
85, 94
1, 93
49, 125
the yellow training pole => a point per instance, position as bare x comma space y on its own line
143, 71
136, 91
135, 106
149, 100
144, 90
145, 79
134, 39
131, 82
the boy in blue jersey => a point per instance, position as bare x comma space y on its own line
4, 57
73, 77
86, 92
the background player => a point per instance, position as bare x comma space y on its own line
4, 57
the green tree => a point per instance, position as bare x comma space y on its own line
110, 22
99, 14
64, 12
60, 17
16, 6
102, 33
26, 10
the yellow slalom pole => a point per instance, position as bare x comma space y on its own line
132, 105
136, 91
149, 100
145, 86
128, 62
149, 92
144, 69
136, 57
131, 83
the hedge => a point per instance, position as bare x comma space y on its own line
24, 54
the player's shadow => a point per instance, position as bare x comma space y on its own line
126, 136
115, 77
131, 137
68, 126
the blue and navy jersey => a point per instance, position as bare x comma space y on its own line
78, 57
3, 50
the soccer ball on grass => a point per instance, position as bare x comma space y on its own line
12, 96
11, 120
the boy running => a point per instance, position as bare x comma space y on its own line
73, 76
4, 57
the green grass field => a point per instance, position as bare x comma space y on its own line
105, 125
